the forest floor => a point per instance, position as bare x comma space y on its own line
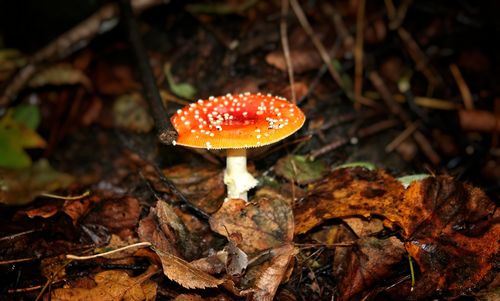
388, 192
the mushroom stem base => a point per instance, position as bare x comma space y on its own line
236, 177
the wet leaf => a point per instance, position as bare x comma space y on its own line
58, 75
264, 223
350, 192
456, 245
111, 285
19, 187
130, 112
184, 90
182, 272
17, 133
449, 226
300, 169
29, 115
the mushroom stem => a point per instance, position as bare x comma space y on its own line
236, 177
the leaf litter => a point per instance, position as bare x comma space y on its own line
308, 232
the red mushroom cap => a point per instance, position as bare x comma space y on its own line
236, 121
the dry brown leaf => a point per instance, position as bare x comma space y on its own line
118, 215
302, 60
44, 211
149, 231
203, 186
186, 297
168, 219
111, 286
182, 272
269, 275
264, 223
78, 208
212, 264
237, 260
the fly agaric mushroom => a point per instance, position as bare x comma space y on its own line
235, 123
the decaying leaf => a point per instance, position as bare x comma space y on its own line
303, 60
111, 286
350, 192
364, 264
450, 227
10, 61
268, 276
130, 112
17, 132
118, 215
457, 245
168, 219
149, 231
266, 222
19, 187
182, 272
184, 90
58, 75
203, 186
237, 260
299, 169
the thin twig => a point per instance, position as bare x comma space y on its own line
166, 133
420, 59
358, 55
136, 245
286, 47
401, 137
66, 197
362, 133
340, 27
462, 86
11, 261
12, 236
317, 44
398, 111
396, 17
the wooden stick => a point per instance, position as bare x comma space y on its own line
166, 133
462, 86
318, 45
286, 47
401, 137
358, 55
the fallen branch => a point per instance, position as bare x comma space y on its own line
105, 19
166, 133
477, 120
